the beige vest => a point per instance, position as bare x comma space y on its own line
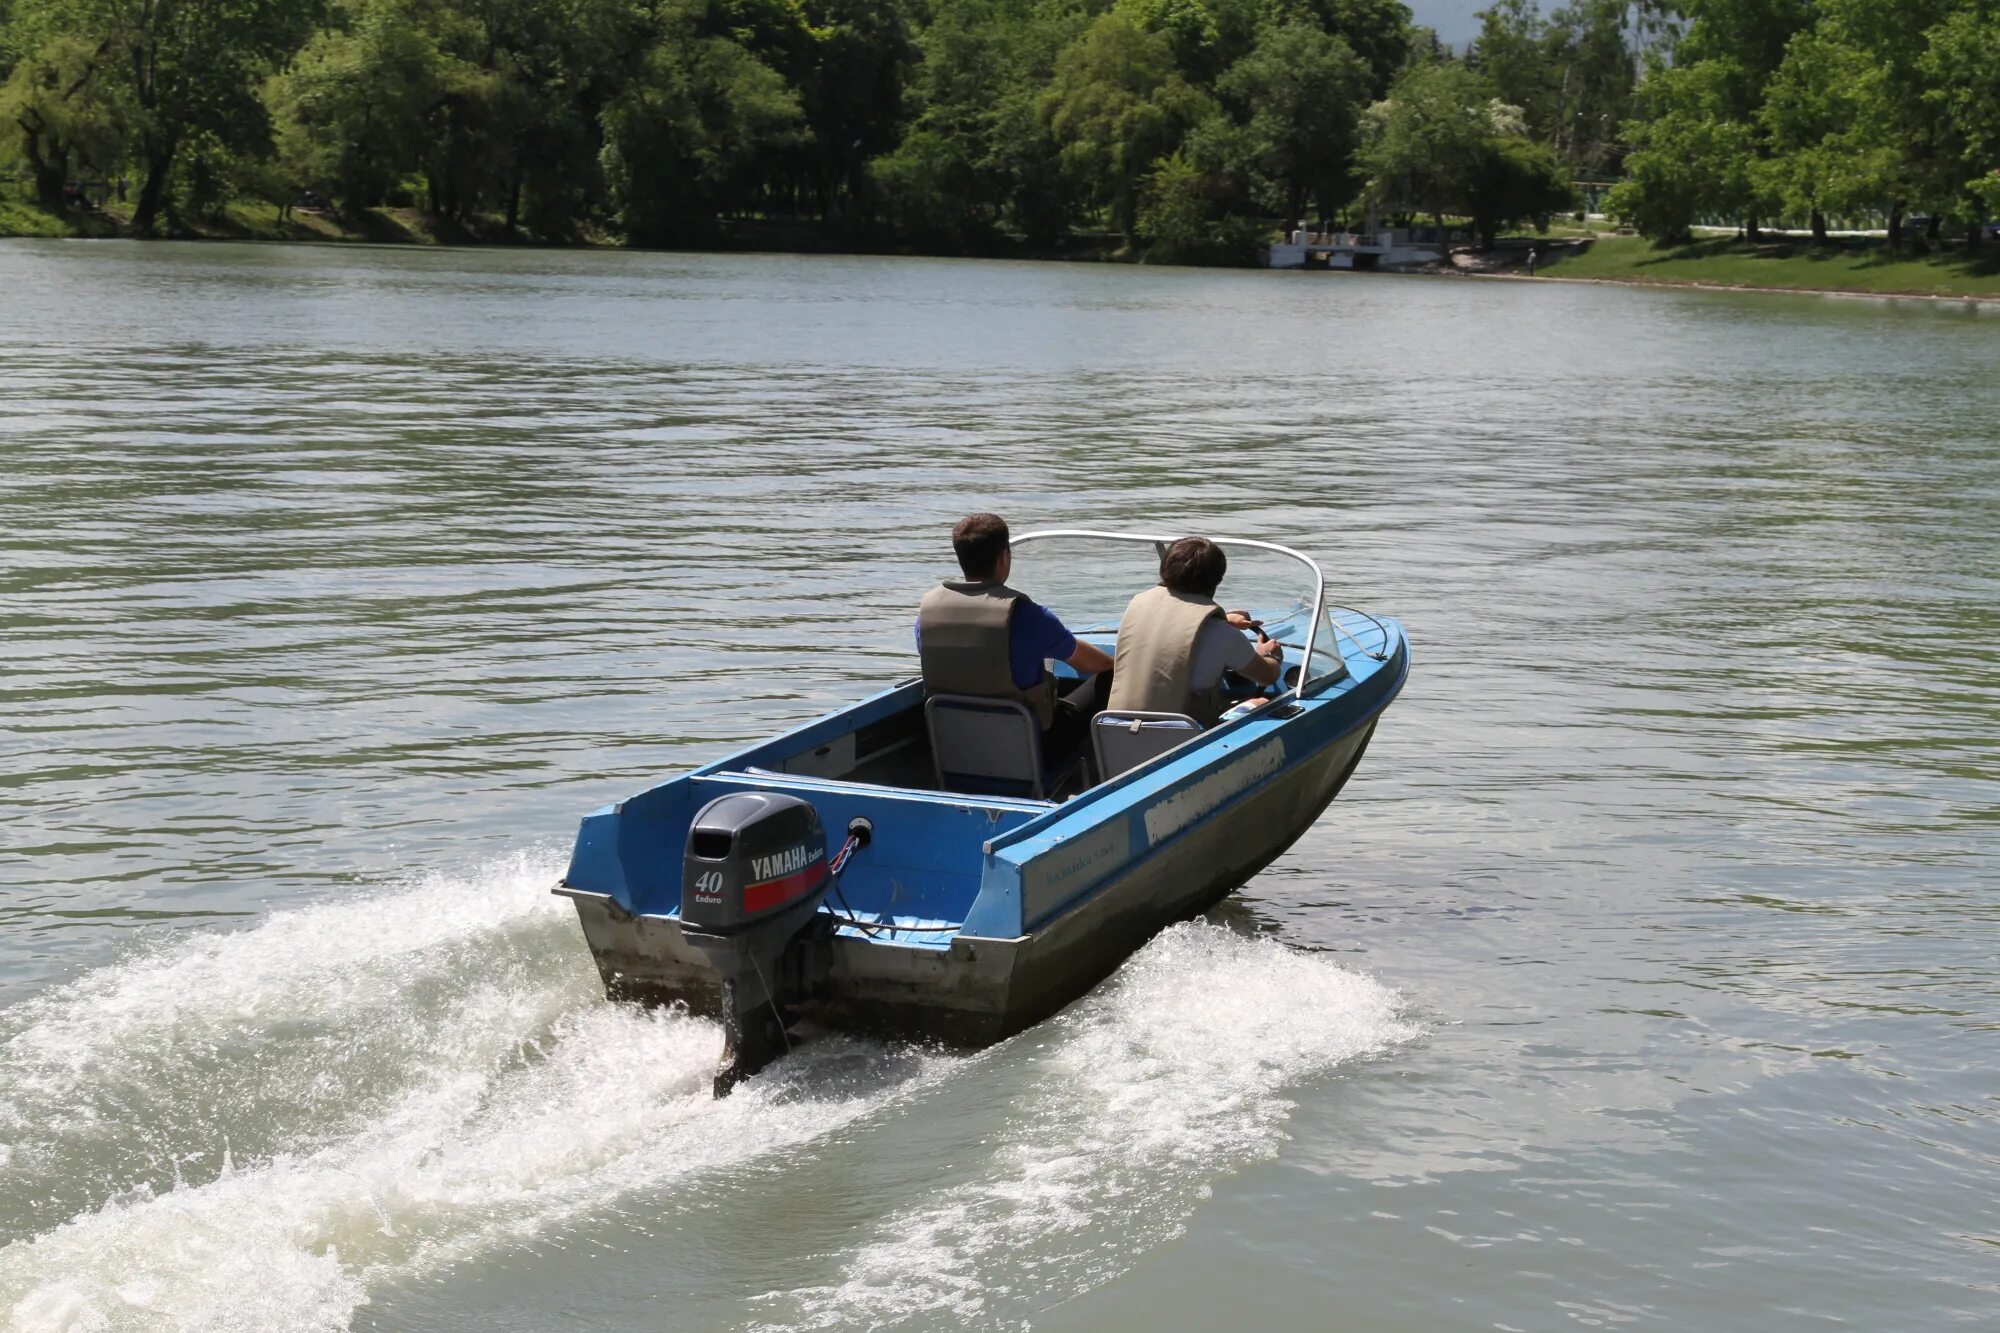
962, 633
1155, 653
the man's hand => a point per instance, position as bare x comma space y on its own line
1242, 620
1263, 669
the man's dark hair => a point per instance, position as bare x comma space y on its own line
979, 541
1193, 565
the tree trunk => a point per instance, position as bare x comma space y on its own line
1818, 227
51, 174
1751, 231
50, 167
1896, 223
514, 205
1931, 231
1975, 226
159, 157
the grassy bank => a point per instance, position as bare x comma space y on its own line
1860, 264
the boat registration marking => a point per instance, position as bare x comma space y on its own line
1064, 871
1207, 795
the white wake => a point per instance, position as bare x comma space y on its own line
430, 1073
254, 1129
1137, 1098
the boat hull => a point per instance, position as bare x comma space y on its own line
983, 989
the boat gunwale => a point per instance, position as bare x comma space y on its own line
1265, 719
1011, 841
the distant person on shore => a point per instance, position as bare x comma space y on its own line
978, 636
1175, 642
1534, 253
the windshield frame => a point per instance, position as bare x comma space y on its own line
1160, 545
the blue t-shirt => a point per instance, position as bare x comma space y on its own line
1033, 634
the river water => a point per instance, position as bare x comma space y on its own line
1645, 975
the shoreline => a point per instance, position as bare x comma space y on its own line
416, 230
786, 240
1696, 284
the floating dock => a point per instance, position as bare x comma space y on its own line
1387, 249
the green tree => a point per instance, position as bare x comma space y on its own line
850, 86
1962, 63
1425, 142
1176, 210
1690, 154
1299, 95
681, 136
1896, 117
932, 191
1819, 119
1116, 106
1597, 78
982, 70
67, 112
1442, 143
1572, 75
1512, 52
1379, 31
1514, 180
186, 68
353, 111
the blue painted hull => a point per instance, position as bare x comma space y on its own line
1004, 910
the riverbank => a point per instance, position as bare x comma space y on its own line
1863, 266
1856, 266
237, 222
413, 226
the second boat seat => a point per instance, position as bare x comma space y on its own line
1123, 741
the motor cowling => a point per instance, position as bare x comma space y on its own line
751, 856
752, 879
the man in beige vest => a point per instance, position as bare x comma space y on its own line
980, 637
1174, 642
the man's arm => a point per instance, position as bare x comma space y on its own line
1050, 638
1089, 659
1263, 668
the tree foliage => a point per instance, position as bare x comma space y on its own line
1183, 127
1442, 142
1810, 110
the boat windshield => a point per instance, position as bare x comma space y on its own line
1086, 578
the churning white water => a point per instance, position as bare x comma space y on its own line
249, 1129
1135, 1100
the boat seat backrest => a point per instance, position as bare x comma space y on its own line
986, 747
1124, 741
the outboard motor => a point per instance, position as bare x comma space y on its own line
753, 877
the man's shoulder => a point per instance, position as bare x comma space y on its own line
1031, 617
1027, 608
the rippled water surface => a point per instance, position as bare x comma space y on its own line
1646, 974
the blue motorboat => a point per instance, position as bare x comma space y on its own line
909, 866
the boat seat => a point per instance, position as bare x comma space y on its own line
991, 747
1123, 741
